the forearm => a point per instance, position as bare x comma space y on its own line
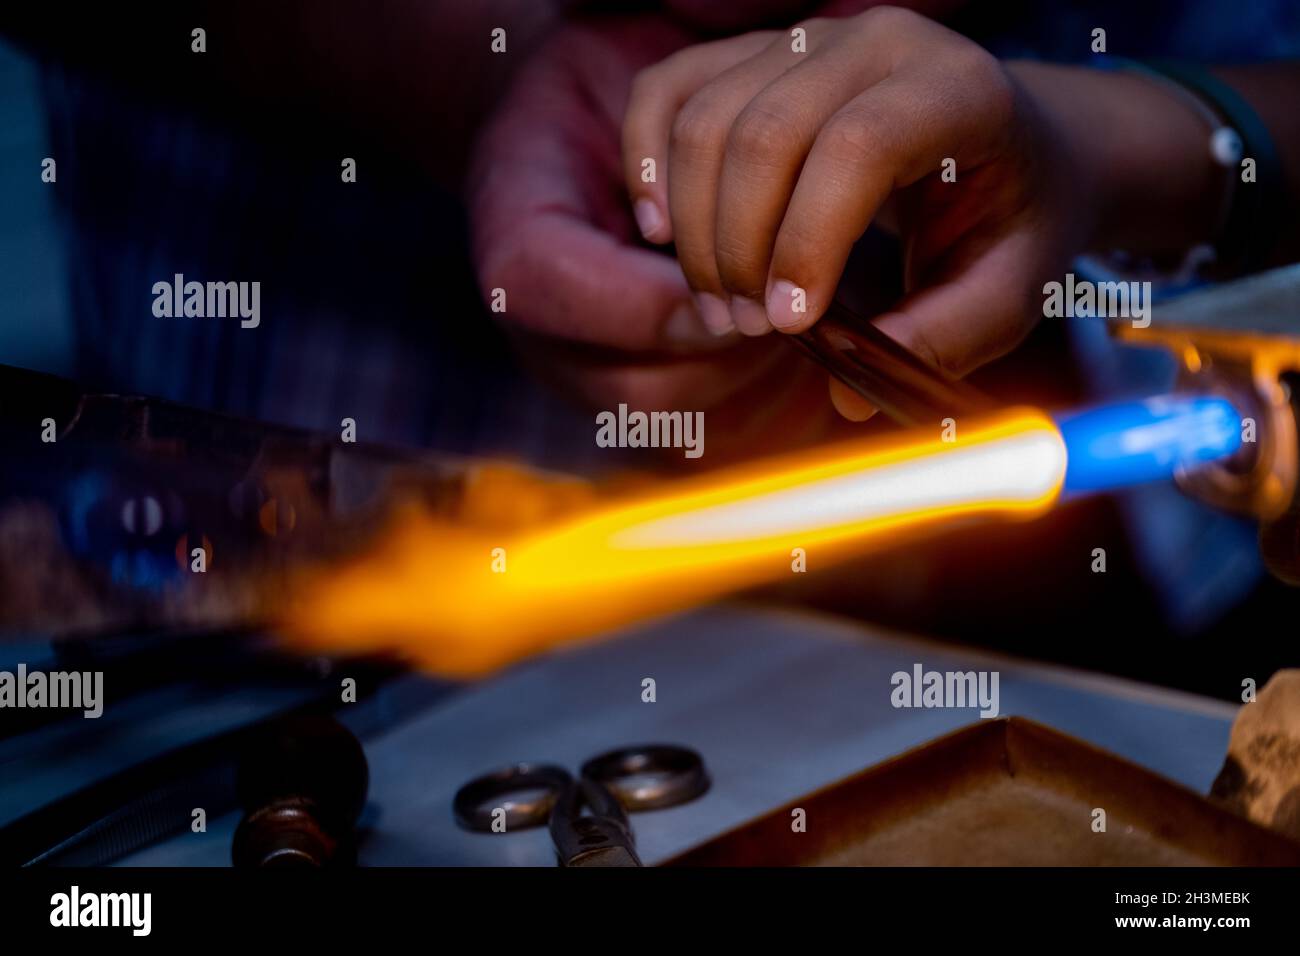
1142, 152
1139, 154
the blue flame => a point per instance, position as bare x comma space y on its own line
1128, 443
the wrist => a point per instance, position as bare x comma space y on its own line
1139, 154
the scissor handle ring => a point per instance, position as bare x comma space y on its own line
680, 774
474, 807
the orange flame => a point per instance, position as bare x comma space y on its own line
464, 602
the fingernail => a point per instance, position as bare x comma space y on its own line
686, 327
781, 304
749, 316
648, 219
850, 404
714, 312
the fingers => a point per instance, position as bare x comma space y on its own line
959, 324
549, 235
766, 148
870, 148
962, 323
657, 94
696, 146
779, 163
563, 277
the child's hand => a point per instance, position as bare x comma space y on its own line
770, 169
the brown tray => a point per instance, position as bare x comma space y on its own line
1006, 792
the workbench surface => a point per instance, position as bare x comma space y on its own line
778, 703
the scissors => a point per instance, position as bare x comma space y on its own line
587, 816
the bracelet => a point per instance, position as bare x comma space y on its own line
1252, 221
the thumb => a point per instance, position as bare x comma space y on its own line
564, 277
977, 315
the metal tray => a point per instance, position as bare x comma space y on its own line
1007, 792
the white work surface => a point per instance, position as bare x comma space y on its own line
778, 703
